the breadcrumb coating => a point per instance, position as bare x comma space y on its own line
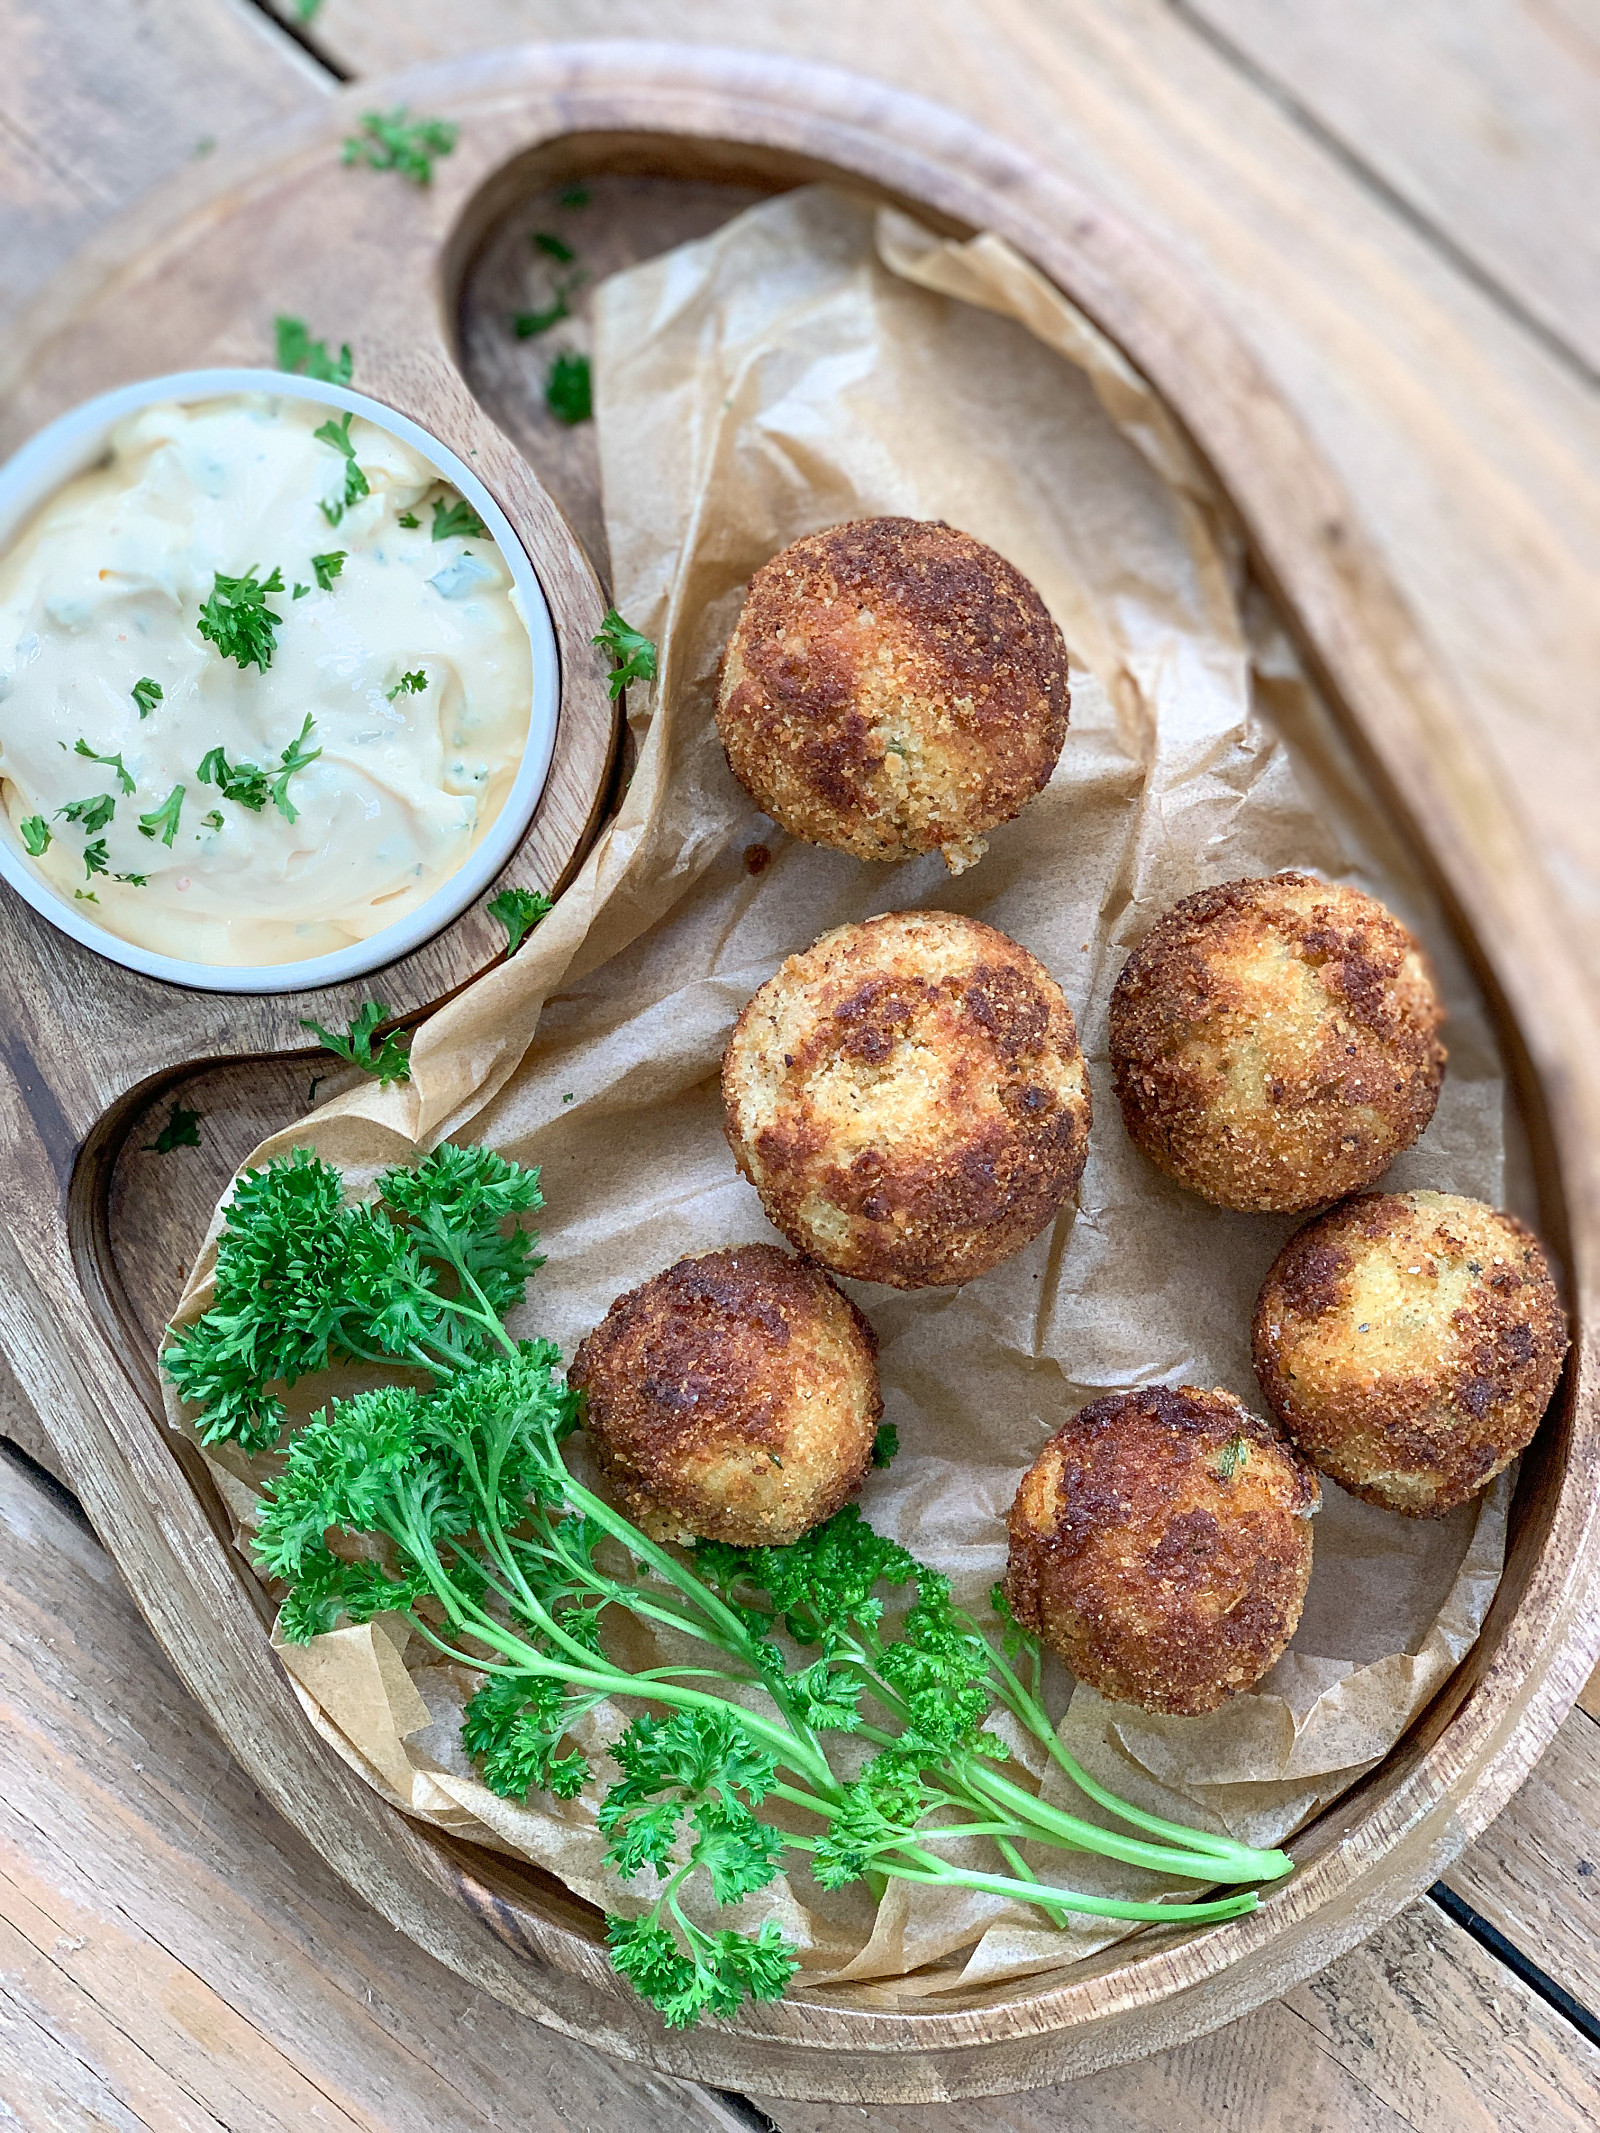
1161, 1546
1274, 1043
1409, 1344
733, 1397
893, 687
909, 1099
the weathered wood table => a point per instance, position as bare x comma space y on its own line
1395, 204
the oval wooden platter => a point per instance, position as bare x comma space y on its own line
671, 141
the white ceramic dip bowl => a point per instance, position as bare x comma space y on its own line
80, 440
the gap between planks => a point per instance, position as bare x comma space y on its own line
160, 1920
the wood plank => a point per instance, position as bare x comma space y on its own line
1472, 451
172, 1955
1535, 1873
1418, 2029
22, 1427
91, 118
1482, 115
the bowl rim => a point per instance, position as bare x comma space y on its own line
68, 447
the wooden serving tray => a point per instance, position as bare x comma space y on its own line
670, 142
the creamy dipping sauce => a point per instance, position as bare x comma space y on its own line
410, 657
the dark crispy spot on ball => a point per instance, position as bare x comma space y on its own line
1314, 1282
1189, 1541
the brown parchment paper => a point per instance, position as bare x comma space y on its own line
819, 359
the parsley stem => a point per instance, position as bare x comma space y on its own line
611, 1682
939, 1873
1026, 1707
1238, 1862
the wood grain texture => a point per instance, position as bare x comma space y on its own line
1416, 2032
99, 104
175, 1955
1535, 1873
1473, 452
172, 1954
1483, 116
513, 1934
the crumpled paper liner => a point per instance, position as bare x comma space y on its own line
815, 360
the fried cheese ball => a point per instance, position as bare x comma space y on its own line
1274, 1043
1161, 1546
733, 1397
893, 687
909, 1099
1409, 1344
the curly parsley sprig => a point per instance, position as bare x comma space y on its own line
505, 1562
237, 619
387, 1060
632, 653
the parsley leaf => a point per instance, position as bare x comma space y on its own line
90, 815
526, 324
306, 358
328, 567
568, 387
135, 881
213, 821
552, 246
388, 1062
238, 621
885, 1444
408, 519
162, 821
244, 783
295, 757
35, 833
519, 911
182, 1130
391, 141
94, 859
337, 434
112, 762
411, 684
146, 694
457, 521
633, 655
573, 196
474, 1527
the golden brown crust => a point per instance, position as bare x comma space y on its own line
1161, 1546
909, 1099
893, 687
734, 1396
1274, 1043
1409, 1343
